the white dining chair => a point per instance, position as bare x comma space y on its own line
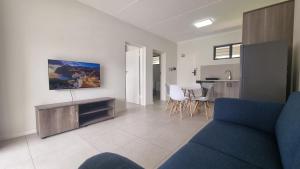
195, 92
204, 100
180, 102
169, 102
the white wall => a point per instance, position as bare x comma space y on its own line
200, 52
297, 47
33, 31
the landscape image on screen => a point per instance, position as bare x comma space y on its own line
73, 75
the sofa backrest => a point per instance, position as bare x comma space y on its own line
288, 132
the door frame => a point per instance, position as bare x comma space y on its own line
142, 72
163, 76
163, 70
160, 73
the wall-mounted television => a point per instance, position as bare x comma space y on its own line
73, 75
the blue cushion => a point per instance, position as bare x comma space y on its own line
247, 144
259, 115
296, 163
195, 156
288, 132
109, 161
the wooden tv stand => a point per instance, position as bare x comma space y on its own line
56, 118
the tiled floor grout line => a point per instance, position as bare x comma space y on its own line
139, 128
141, 138
169, 152
174, 151
118, 146
90, 144
144, 140
30, 153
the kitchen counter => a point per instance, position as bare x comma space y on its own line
222, 87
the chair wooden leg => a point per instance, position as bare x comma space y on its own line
188, 104
195, 106
192, 105
200, 105
191, 108
204, 108
173, 108
180, 110
206, 111
177, 107
168, 104
180, 107
209, 110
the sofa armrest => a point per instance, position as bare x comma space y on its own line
258, 115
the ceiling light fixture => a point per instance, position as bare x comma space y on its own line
204, 22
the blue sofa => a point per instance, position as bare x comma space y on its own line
244, 135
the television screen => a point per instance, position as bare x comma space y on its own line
73, 75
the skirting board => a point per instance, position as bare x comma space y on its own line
15, 135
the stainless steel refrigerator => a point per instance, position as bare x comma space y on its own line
264, 71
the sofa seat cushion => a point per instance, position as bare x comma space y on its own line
250, 145
195, 156
109, 161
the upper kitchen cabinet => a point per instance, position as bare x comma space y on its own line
272, 23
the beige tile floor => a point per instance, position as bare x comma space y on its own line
146, 135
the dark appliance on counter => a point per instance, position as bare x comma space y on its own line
212, 78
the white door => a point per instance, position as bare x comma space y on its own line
132, 76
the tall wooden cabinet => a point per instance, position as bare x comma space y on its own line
271, 23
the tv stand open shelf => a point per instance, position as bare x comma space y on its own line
100, 109
56, 118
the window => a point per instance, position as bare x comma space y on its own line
156, 60
228, 51
236, 50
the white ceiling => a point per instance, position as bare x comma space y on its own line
173, 19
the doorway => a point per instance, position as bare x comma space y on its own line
132, 73
156, 75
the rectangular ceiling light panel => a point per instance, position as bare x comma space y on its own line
204, 22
